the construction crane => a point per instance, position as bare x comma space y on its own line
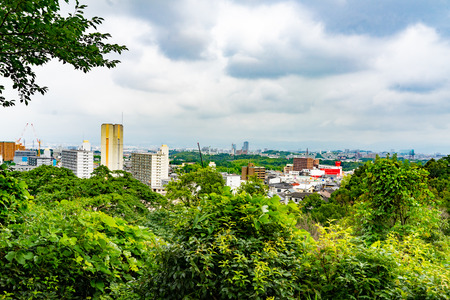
21, 136
37, 139
35, 136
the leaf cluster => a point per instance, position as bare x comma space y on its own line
190, 187
34, 32
230, 247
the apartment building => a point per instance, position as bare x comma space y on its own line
151, 168
80, 161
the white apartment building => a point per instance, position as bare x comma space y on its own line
81, 162
151, 168
232, 180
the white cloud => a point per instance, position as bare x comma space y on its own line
271, 73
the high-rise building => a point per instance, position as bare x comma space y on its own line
81, 161
252, 170
233, 149
151, 168
245, 148
112, 146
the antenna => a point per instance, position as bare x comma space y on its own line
122, 118
201, 158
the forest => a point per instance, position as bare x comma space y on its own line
383, 235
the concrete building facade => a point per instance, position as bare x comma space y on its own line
7, 150
21, 156
252, 170
302, 163
80, 161
39, 161
112, 146
232, 180
151, 168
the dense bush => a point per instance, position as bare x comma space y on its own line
68, 252
231, 247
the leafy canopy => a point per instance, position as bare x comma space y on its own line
190, 187
394, 196
33, 32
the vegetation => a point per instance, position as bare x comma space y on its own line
190, 187
382, 235
254, 186
34, 32
230, 163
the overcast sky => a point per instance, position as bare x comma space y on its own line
329, 74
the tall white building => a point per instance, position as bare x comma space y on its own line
151, 168
81, 161
112, 146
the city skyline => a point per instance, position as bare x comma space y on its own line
282, 75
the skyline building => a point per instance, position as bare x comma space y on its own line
151, 168
112, 146
233, 149
245, 148
81, 161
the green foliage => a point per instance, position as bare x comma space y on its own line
421, 268
340, 268
230, 163
253, 186
33, 32
223, 246
190, 187
346, 165
68, 252
231, 247
60, 182
13, 196
440, 181
395, 196
115, 193
321, 211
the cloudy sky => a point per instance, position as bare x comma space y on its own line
329, 74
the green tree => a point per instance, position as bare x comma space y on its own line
254, 186
13, 195
440, 180
394, 194
321, 211
231, 247
190, 187
68, 252
34, 32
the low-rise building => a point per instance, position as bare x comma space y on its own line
21, 156
232, 180
252, 170
39, 161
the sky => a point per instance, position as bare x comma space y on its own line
287, 75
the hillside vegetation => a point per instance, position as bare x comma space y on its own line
383, 235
